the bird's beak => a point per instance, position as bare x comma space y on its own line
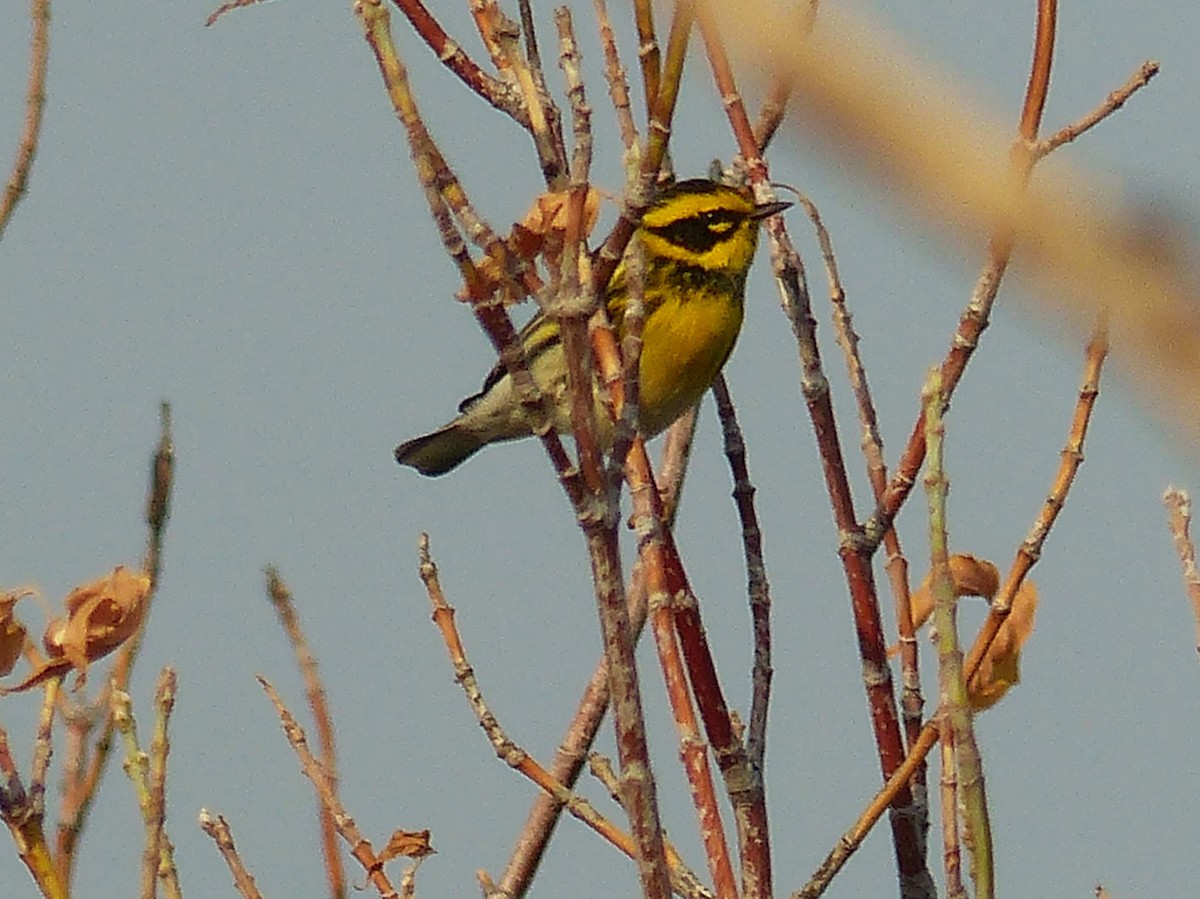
766, 210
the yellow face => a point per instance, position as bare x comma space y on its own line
702, 225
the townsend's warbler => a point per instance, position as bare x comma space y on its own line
698, 239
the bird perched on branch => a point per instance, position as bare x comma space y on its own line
698, 239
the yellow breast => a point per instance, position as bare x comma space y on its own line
684, 344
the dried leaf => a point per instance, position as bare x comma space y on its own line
971, 576
12, 632
548, 217
409, 843
43, 670
100, 617
543, 230
1000, 668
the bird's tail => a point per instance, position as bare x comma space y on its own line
443, 450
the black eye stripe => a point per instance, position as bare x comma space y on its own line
701, 232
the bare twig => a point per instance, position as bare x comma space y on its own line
285, 609
545, 122
574, 301
976, 316
581, 732
218, 829
1111, 104
614, 73
1179, 518
360, 846
25, 825
648, 53
1030, 550
35, 102
226, 8
42, 747
1071, 458
158, 499
959, 748
149, 777
160, 746
512, 754
757, 586
84, 771
500, 94
951, 845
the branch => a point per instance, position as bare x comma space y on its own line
218, 829
962, 771
285, 610
360, 846
512, 754
35, 103
1179, 518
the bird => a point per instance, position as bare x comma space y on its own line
698, 239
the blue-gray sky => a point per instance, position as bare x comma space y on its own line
227, 218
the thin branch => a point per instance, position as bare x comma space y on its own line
1071, 457
314, 688
574, 300
35, 104
1038, 86
83, 772
500, 94
1179, 518
545, 122
514, 756
158, 499
573, 748
218, 829
722, 71
1111, 104
360, 847
951, 845
976, 317
648, 53
912, 701
160, 746
42, 747
614, 74
25, 825
757, 587
960, 749
158, 855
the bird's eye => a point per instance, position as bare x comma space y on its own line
717, 221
